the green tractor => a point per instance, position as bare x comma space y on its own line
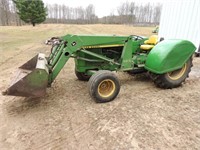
96, 57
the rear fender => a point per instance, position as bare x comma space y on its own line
169, 55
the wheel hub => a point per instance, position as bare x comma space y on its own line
106, 88
175, 75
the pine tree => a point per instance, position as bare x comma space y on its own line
31, 11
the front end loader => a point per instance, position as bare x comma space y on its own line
96, 57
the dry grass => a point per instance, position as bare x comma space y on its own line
14, 36
13, 39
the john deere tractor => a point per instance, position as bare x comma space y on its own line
96, 58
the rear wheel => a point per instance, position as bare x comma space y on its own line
174, 78
82, 76
103, 86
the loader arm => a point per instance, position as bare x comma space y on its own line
70, 44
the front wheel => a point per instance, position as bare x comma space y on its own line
174, 78
103, 86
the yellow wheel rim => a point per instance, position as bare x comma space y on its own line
175, 75
106, 88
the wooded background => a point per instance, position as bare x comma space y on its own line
127, 13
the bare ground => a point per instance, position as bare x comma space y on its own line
141, 117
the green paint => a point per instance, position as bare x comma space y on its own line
118, 53
169, 55
37, 78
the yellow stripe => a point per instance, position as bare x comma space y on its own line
102, 46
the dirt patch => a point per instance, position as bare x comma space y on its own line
141, 117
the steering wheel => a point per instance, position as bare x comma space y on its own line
136, 37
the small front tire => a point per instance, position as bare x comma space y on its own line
103, 86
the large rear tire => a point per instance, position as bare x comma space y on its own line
103, 86
174, 78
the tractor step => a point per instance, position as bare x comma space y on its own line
31, 79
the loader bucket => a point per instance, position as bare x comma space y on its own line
31, 79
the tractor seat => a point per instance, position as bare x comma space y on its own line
150, 43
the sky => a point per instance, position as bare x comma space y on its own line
102, 7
